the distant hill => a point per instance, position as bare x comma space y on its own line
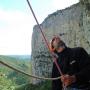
21, 57
8, 59
21, 62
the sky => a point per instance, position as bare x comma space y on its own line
17, 22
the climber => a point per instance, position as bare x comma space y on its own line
75, 66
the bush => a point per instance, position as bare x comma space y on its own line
43, 86
6, 84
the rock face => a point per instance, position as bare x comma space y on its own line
72, 24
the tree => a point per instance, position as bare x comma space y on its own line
6, 84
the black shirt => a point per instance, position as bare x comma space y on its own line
72, 61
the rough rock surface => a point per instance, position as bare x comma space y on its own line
72, 24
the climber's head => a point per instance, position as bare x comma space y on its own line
57, 44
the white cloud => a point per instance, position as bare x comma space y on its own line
61, 4
15, 32
16, 26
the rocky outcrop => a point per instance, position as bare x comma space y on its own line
72, 24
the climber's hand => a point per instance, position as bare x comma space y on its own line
68, 80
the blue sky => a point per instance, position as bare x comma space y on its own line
13, 4
16, 22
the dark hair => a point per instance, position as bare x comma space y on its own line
61, 44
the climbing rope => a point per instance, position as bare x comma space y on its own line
29, 75
54, 58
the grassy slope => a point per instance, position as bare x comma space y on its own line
44, 86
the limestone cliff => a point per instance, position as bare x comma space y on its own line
72, 24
